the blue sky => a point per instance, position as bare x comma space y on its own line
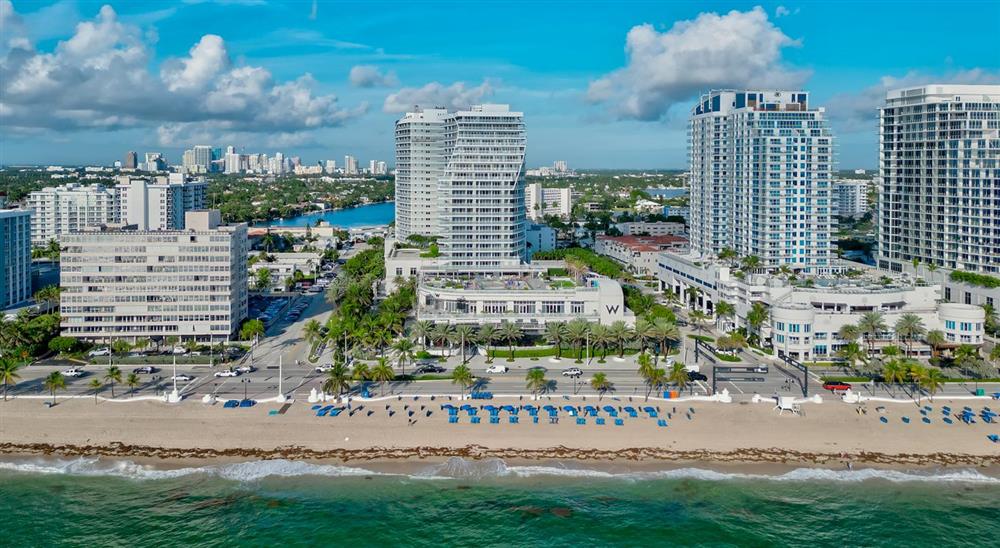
602, 84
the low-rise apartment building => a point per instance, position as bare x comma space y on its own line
540, 201
638, 253
125, 283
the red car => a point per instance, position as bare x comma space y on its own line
836, 386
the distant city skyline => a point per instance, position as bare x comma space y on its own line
602, 86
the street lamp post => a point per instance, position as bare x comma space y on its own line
245, 383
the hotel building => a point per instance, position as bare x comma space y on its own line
15, 256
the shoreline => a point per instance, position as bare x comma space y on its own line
271, 222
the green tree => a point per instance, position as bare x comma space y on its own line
403, 348
751, 263
756, 317
894, 372
421, 331
621, 334
555, 334
382, 373
132, 381
698, 319
600, 338
907, 327
360, 372
464, 334
936, 339
487, 335
113, 375
644, 332
462, 376
55, 381
96, 385
601, 384
848, 333
9, 373
48, 295
729, 254
679, 376
724, 310
262, 280
931, 380
510, 332
312, 331
536, 381
665, 332
442, 333
852, 354
871, 325
337, 379
577, 331
251, 329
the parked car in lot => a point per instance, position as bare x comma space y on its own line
836, 386
145, 370
497, 368
73, 372
182, 378
227, 373
99, 352
425, 369
572, 372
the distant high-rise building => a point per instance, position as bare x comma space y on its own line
939, 197
131, 160
540, 201
159, 205
850, 197
331, 167
15, 256
381, 168
70, 208
203, 157
154, 162
761, 164
560, 166
233, 162
350, 165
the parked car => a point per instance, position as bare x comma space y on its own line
424, 369
182, 378
99, 352
227, 373
178, 350
145, 370
497, 368
836, 386
73, 372
572, 372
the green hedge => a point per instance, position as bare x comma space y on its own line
728, 358
702, 338
570, 353
982, 280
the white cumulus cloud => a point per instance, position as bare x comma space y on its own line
100, 78
369, 76
737, 49
436, 94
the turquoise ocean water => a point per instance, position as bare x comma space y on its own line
93, 502
352, 217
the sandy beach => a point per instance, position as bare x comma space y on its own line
828, 434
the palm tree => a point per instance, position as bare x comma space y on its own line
893, 372
576, 267
113, 375
337, 379
852, 353
723, 310
55, 381
360, 371
655, 379
936, 339
756, 317
907, 327
644, 332
510, 332
621, 334
382, 373
442, 333
966, 355
600, 337
692, 294
464, 334
665, 331
95, 385
8, 373
600, 383
751, 262
132, 381
698, 318
932, 380
311, 330
995, 353
420, 331
404, 352
679, 376
536, 381
462, 376
728, 254
578, 331
555, 333
848, 333
645, 365
871, 324
487, 335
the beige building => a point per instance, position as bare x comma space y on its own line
130, 284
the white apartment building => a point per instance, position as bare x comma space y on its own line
15, 255
70, 208
651, 229
760, 164
540, 201
850, 198
130, 284
481, 216
804, 320
160, 204
939, 161
420, 163
350, 165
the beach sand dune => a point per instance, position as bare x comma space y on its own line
828, 432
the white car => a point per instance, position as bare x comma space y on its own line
572, 372
73, 372
497, 368
229, 373
182, 378
246, 369
99, 352
324, 368
179, 350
